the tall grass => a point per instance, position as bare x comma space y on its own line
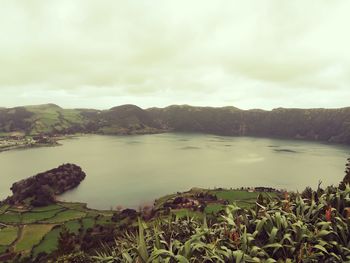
294, 229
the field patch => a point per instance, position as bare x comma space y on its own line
213, 208
65, 216
32, 217
8, 235
49, 243
88, 222
10, 217
46, 208
2, 249
73, 226
234, 195
3, 208
74, 206
32, 234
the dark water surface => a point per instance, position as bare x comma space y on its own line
132, 170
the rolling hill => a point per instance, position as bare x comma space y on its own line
331, 125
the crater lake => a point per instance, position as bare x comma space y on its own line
134, 170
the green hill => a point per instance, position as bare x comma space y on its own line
331, 125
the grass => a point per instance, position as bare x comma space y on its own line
10, 217
103, 220
241, 198
73, 226
185, 212
88, 222
32, 234
32, 217
8, 235
234, 195
72, 115
74, 206
213, 208
46, 208
246, 204
65, 216
2, 249
47, 118
49, 243
3, 208
17, 209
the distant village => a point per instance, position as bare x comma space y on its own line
20, 140
197, 199
256, 189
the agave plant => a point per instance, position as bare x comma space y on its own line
295, 229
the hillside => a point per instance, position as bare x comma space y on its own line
331, 125
40, 119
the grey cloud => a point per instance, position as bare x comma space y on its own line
246, 53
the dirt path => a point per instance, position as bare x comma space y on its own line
19, 236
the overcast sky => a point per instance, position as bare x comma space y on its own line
248, 54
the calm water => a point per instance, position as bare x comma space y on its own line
132, 170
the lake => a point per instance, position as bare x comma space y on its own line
134, 170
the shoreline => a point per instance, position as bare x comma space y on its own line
56, 138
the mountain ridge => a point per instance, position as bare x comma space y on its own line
319, 124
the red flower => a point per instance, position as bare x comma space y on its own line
235, 236
329, 214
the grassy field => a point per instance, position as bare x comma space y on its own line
213, 208
186, 213
49, 243
74, 206
8, 235
10, 218
88, 222
32, 235
3, 249
234, 195
49, 117
32, 217
39, 228
3, 208
66, 216
240, 196
46, 208
73, 226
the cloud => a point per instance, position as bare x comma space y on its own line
248, 54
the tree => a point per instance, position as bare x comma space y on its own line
346, 179
307, 193
66, 242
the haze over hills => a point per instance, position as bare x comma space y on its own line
332, 125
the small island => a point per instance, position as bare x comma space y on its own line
41, 189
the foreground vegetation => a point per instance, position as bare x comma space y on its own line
291, 230
222, 225
294, 228
30, 233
